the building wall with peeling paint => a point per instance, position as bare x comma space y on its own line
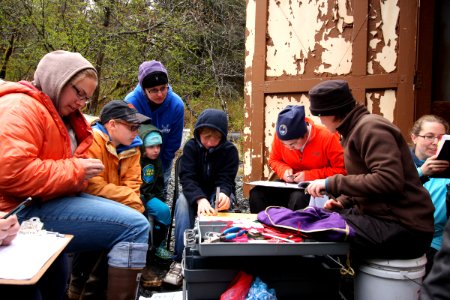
293, 45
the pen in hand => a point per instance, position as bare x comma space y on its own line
217, 199
290, 178
19, 208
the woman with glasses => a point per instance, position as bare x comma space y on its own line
425, 135
44, 143
154, 98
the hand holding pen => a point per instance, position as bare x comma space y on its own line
9, 225
297, 177
223, 202
288, 176
9, 228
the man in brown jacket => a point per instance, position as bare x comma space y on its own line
381, 198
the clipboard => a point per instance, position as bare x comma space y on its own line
62, 244
280, 184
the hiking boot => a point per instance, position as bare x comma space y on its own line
76, 284
175, 274
150, 278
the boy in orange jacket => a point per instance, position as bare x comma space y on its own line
301, 151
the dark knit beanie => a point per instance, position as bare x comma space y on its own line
155, 79
291, 123
152, 73
330, 97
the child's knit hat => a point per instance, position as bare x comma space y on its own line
152, 139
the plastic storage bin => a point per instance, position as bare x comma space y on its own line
292, 277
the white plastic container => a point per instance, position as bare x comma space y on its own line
379, 279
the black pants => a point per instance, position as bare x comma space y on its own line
51, 286
262, 197
90, 274
378, 238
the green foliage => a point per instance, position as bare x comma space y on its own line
201, 42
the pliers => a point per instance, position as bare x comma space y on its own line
232, 233
226, 236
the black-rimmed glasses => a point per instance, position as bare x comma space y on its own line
131, 127
431, 138
155, 91
81, 95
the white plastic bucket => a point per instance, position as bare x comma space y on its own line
390, 279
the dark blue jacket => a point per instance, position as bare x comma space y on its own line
202, 170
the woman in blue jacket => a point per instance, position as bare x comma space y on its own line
425, 135
154, 98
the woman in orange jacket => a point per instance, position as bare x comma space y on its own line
44, 142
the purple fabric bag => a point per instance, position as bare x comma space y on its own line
315, 222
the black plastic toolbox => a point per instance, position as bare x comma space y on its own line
292, 277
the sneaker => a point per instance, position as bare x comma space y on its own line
163, 253
175, 274
150, 278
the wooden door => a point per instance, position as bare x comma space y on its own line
293, 45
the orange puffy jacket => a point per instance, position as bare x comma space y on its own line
121, 179
322, 156
35, 154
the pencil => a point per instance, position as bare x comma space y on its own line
18, 208
217, 199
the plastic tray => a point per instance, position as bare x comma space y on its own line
263, 248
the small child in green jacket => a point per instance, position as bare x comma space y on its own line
152, 195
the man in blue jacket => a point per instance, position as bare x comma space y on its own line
154, 98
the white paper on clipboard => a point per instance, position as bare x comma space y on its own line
27, 253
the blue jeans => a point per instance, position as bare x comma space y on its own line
185, 214
159, 210
97, 224
184, 219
